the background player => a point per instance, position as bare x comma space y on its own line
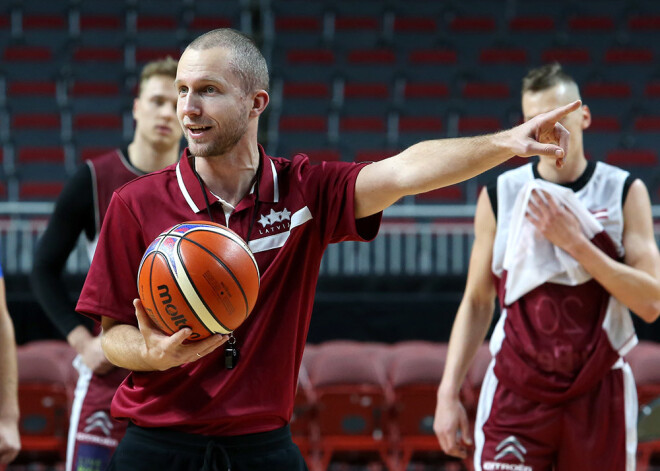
557, 395
10, 441
81, 208
188, 411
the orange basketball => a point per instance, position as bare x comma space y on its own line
200, 275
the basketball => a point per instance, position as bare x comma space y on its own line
200, 275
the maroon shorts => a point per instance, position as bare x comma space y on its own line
592, 432
93, 433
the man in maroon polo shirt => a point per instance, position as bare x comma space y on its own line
187, 411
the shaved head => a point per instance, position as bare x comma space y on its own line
246, 61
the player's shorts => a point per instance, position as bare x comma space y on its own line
149, 449
93, 433
592, 432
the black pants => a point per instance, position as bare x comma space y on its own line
145, 449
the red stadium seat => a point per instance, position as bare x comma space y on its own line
353, 399
591, 23
606, 90
644, 23
352, 23
310, 56
96, 121
605, 124
30, 88
298, 23
473, 24
485, 90
45, 396
627, 157
414, 371
44, 22
207, 23
628, 56
165, 23
432, 56
647, 123
41, 154
146, 54
478, 124
98, 54
532, 23
430, 124
27, 53
303, 123
362, 124
40, 190
305, 90
566, 55
100, 22
371, 56
425, 90
415, 25
503, 56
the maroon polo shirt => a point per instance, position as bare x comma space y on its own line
301, 209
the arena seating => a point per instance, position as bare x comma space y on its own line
424, 69
355, 400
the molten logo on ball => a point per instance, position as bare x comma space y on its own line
200, 275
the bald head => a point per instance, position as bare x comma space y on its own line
246, 61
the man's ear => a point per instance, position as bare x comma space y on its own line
586, 116
259, 103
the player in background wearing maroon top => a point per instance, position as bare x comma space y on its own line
558, 394
10, 441
187, 411
81, 208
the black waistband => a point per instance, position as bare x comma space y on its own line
236, 444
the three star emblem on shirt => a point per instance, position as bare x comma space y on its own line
274, 217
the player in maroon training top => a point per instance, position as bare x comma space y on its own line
558, 394
188, 411
81, 207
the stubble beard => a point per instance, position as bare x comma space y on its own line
223, 143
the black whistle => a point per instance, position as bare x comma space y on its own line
231, 356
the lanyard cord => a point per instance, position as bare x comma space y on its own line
255, 182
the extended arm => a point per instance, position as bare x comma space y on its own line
10, 442
636, 282
433, 164
145, 348
468, 333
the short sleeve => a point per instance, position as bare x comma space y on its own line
329, 191
111, 283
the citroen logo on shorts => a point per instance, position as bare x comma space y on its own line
101, 421
511, 446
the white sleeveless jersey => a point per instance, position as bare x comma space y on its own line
558, 341
602, 195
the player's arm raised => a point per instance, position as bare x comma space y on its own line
474, 316
434, 164
146, 348
636, 283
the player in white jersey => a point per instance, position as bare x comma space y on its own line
558, 394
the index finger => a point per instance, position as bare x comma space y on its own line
558, 113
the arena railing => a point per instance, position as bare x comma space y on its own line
413, 240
